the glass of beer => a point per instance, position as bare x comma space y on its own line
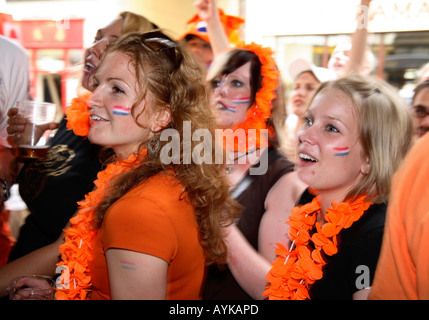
34, 140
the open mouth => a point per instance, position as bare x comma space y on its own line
221, 107
95, 117
89, 68
306, 158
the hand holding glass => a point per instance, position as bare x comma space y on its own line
34, 140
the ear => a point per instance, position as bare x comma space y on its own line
161, 120
366, 166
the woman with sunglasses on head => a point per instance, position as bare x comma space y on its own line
150, 227
52, 186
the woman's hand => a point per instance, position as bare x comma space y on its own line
16, 125
32, 288
207, 9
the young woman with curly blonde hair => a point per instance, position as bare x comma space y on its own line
151, 226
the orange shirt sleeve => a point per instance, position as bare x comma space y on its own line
403, 267
138, 224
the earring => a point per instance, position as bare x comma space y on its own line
153, 148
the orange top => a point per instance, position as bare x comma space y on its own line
153, 219
403, 267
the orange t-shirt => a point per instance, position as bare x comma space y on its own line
403, 267
156, 219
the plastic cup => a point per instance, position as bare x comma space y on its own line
34, 140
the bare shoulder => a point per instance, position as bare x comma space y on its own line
288, 188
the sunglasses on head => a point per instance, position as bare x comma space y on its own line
159, 42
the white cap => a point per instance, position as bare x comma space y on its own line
298, 66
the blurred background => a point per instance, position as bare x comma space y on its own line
55, 33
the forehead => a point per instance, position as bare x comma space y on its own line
306, 76
334, 103
116, 62
243, 71
195, 39
422, 97
113, 28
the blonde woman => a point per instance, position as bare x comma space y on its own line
356, 133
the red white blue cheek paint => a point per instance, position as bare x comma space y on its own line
121, 111
341, 152
240, 101
231, 109
223, 107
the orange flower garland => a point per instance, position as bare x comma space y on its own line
77, 115
295, 270
75, 281
258, 115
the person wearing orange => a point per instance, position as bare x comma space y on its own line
403, 268
152, 224
197, 37
178, 232
67, 173
245, 93
356, 133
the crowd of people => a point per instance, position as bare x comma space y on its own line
176, 173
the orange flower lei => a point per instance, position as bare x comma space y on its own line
77, 115
258, 115
295, 270
75, 281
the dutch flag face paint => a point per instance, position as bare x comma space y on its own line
341, 152
121, 111
240, 101
231, 109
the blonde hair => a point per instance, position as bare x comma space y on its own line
133, 22
168, 77
386, 131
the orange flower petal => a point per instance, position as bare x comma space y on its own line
330, 249
292, 276
329, 230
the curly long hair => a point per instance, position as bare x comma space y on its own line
168, 77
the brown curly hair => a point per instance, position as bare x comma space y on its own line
168, 77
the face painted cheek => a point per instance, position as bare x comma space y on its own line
341, 152
121, 111
231, 109
240, 101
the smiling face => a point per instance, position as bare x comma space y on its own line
112, 124
231, 95
339, 58
330, 152
103, 38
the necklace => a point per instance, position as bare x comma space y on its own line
74, 283
77, 115
297, 268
